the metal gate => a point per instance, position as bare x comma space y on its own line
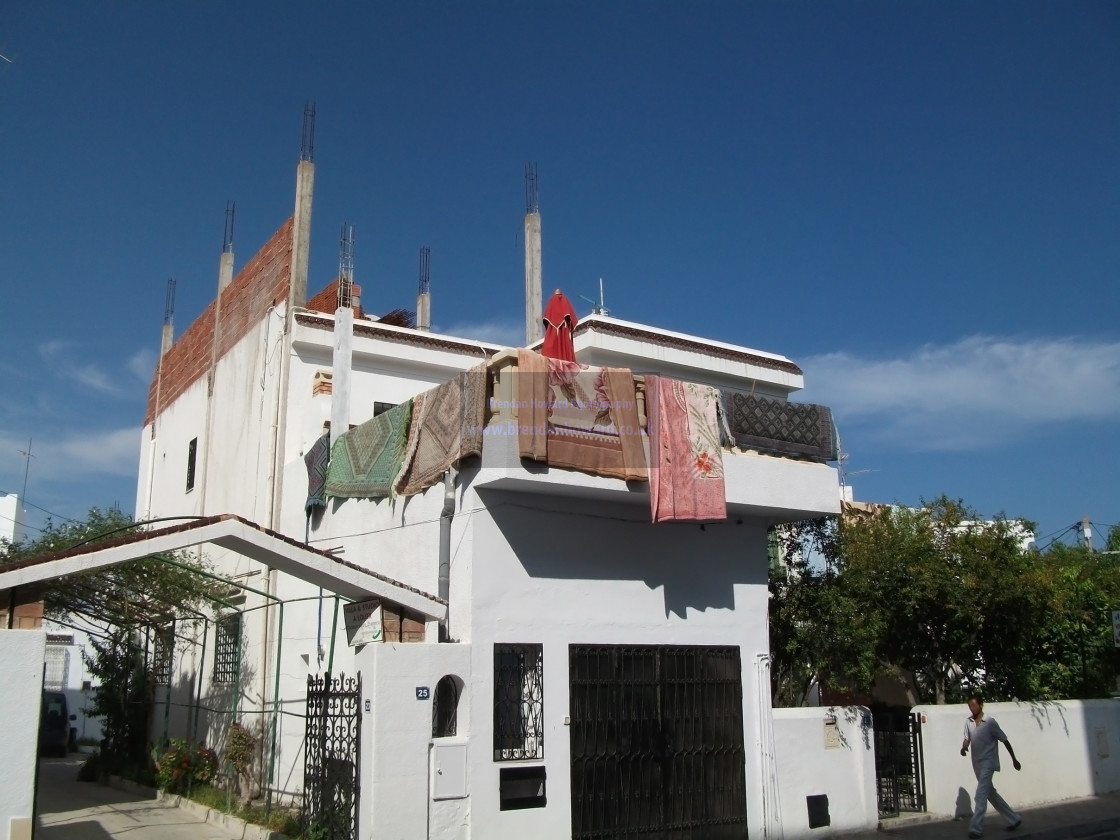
899, 770
657, 743
331, 757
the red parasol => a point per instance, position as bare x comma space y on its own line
559, 321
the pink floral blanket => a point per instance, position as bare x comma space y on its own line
686, 460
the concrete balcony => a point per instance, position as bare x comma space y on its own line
758, 485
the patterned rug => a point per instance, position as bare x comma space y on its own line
317, 459
686, 479
783, 427
447, 425
365, 460
589, 421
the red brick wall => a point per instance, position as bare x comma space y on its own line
261, 283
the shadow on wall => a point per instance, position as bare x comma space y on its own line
964, 804
584, 540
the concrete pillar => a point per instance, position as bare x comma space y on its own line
424, 312
534, 326
340, 371
225, 270
167, 339
301, 234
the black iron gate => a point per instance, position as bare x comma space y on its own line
657, 743
899, 770
332, 750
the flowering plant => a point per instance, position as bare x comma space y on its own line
184, 765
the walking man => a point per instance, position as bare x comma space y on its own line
983, 735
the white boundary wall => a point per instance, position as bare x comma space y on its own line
1068, 748
831, 752
21, 662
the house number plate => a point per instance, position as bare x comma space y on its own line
422, 692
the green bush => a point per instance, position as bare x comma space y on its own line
184, 765
91, 768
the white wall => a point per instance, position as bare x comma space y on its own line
837, 761
397, 738
21, 662
558, 572
1068, 749
13, 518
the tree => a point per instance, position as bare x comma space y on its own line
934, 591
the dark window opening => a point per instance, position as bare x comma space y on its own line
521, 787
192, 453
445, 709
382, 407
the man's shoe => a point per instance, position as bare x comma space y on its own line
1013, 827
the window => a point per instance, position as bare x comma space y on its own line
227, 649
192, 452
380, 408
163, 651
445, 709
518, 702
56, 667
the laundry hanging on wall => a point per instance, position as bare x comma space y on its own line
447, 425
579, 416
317, 460
779, 426
366, 460
686, 481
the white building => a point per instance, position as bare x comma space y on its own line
551, 662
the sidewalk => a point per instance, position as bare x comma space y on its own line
1071, 818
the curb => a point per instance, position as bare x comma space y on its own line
234, 825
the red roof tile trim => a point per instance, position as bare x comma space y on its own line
370, 329
201, 522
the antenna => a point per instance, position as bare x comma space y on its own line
597, 307
168, 303
425, 259
227, 233
532, 199
307, 139
27, 456
345, 265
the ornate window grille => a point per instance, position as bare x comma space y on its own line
163, 650
227, 649
518, 702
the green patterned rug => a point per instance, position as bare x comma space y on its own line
365, 460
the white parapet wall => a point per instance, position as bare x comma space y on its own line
826, 770
1068, 749
21, 663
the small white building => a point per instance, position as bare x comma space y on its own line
546, 661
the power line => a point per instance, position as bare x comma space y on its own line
26, 503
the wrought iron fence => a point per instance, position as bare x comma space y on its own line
899, 767
331, 757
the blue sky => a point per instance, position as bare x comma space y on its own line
916, 202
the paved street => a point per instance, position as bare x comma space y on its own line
73, 810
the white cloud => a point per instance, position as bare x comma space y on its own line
503, 332
72, 456
64, 361
976, 392
143, 364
